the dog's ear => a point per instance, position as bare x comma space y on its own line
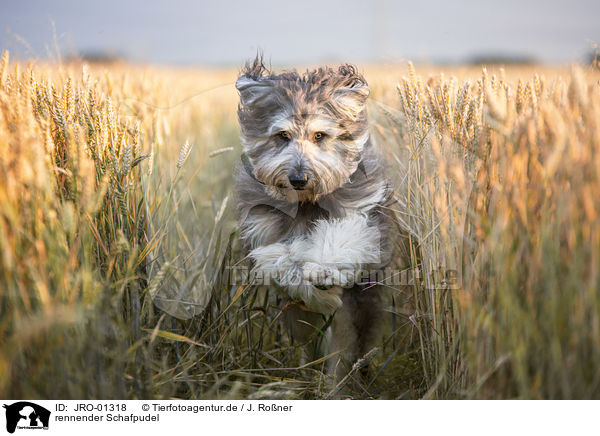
351, 91
252, 89
351, 100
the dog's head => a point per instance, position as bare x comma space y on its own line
302, 133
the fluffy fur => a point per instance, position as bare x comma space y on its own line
311, 129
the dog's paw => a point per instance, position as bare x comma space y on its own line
325, 301
327, 276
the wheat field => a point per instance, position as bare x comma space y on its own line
117, 234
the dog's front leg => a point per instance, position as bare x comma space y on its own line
281, 264
336, 251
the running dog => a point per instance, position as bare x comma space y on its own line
312, 200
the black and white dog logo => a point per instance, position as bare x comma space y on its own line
26, 415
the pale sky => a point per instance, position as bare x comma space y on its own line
225, 32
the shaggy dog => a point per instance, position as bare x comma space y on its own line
311, 199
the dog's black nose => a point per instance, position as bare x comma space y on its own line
298, 179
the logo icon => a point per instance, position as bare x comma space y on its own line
26, 415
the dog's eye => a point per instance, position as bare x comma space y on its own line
319, 136
285, 135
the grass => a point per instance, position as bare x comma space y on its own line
117, 233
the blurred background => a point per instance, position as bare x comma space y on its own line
187, 32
